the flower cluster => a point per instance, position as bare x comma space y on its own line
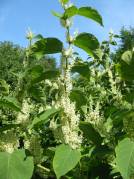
93, 116
23, 116
70, 122
8, 147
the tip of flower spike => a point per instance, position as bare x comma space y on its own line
29, 34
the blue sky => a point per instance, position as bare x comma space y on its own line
17, 15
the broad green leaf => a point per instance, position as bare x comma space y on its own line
16, 165
36, 92
87, 12
51, 74
44, 117
47, 46
65, 159
82, 69
90, 133
126, 66
87, 42
125, 158
90, 13
34, 73
78, 97
10, 102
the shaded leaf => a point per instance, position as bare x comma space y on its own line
87, 42
90, 133
82, 69
78, 97
51, 74
46, 46
10, 102
4, 87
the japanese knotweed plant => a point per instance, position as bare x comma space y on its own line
68, 122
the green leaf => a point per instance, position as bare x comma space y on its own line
56, 14
90, 133
87, 42
16, 165
90, 13
64, 1
126, 66
44, 117
65, 159
78, 97
87, 12
51, 74
70, 12
82, 69
34, 72
10, 102
47, 46
125, 158
4, 87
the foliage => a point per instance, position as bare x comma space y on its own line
75, 121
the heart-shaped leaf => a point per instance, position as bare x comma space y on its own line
87, 42
16, 165
65, 159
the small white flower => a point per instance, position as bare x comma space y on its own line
27, 144
68, 5
76, 33
48, 82
41, 109
23, 116
68, 52
48, 107
53, 125
8, 147
111, 31
55, 86
29, 34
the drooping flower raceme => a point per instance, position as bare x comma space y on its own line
70, 121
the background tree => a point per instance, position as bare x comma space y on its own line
11, 62
126, 42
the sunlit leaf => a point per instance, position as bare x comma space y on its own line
87, 12
16, 165
65, 159
125, 158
